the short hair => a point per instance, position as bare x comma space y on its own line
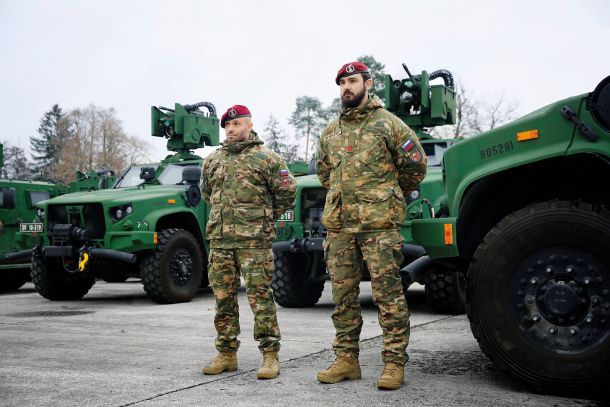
365, 76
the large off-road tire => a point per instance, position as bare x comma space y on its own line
446, 292
174, 270
13, 279
538, 297
292, 286
53, 282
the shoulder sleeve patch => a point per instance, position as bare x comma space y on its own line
411, 150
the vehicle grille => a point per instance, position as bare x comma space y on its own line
88, 216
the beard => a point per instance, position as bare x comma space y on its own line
354, 100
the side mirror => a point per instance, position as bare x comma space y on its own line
147, 173
191, 174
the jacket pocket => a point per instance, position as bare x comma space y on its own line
378, 208
331, 216
249, 222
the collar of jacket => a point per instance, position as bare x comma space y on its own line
240, 146
359, 113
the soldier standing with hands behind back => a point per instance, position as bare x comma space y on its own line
248, 187
369, 160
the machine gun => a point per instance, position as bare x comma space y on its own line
186, 127
419, 104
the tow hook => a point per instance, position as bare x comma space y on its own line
83, 259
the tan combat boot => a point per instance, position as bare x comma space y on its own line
392, 377
223, 362
271, 366
341, 369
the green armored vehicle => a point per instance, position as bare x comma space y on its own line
300, 268
526, 216
17, 213
18, 201
150, 224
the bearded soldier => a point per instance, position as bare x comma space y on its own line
369, 160
248, 187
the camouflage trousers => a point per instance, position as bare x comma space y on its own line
256, 266
344, 253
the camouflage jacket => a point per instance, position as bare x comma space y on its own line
369, 160
248, 187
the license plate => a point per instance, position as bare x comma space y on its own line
31, 227
287, 216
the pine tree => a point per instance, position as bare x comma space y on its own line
275, 140
16, 165
309, 119
47, 145
376, 69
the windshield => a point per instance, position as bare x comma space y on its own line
435, 151
171, 175
132, 177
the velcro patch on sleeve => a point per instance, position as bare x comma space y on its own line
408, 146
412, 151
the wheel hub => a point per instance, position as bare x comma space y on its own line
561, 298
181, 267
558, 300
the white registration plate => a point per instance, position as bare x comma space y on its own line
31, 227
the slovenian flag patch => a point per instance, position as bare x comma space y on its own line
408, 146
284, 173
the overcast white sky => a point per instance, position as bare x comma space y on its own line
134, 54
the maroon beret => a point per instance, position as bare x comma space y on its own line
234, 112
351, 68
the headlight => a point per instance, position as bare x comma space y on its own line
414, 195
40, 213
119, 213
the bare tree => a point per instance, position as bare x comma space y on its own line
95, 140
475, 115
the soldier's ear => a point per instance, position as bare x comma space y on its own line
368, 84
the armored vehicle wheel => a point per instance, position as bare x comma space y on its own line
13, 279
53, 282
292, 286
446, 292
539, 297
173, 272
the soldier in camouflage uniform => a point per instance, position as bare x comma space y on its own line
369, 160
248, 187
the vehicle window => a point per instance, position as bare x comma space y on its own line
131, 178
171, 175
7, 198
434, 152
37, 196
